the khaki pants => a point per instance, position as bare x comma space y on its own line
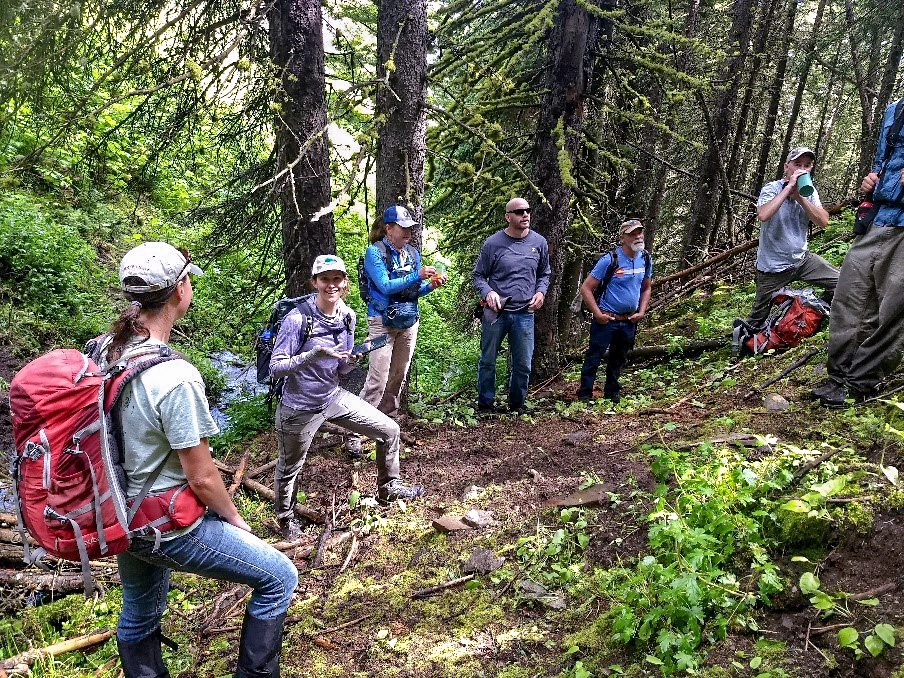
866, 330
295, 431
388, 366
812, 269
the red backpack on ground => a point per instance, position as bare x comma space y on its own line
796, 314
67, 472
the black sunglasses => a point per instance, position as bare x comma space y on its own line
520, 211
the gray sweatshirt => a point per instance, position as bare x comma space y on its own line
312, 381
513, 267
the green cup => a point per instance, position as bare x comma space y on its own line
805, 185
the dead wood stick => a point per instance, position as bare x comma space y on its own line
239, 474
813, 463
321, 543
430, 590
847, 500
262, 469
8, 518
351, 553
800, 362
268, 494
819, 630
727, 254
80, 643
872, 593
286, 545
333, 542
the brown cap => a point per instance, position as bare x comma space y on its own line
629, 226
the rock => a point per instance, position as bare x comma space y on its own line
576, 438
592, 496
471, 493
477, 518
819, 369
536, 475
482, 561
776, 403
448, 523
533, 591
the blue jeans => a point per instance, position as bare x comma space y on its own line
618, 337
214, 549
519, 327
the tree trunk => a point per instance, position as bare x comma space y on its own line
302, 147
775, 96
401, 106
557, 149
808, 52
886, 87
711, 166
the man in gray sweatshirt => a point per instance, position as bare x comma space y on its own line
511, 276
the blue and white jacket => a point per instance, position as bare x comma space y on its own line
382, 285
888, 191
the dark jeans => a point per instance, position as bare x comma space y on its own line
519, 327
618, 337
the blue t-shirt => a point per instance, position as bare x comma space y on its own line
623, 292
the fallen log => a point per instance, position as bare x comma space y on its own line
8, 518
46, 581
262, 469
80, 643
268, 494
11, 536
727, 254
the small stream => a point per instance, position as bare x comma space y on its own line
241, 382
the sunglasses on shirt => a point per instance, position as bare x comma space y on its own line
520, 211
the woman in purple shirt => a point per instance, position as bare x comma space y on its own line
311, 394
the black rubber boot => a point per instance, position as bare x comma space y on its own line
142, 659
259, 647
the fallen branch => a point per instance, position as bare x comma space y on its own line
8, 518
45, 581
351, 553
800, 362
813, 463
727, 254
262, 469
80, 643
239, 473
11, 536
268, 494
430, 590
873, 593
321, 543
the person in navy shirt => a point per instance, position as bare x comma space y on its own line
617, 310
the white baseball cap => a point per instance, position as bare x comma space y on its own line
154, 266
327, 262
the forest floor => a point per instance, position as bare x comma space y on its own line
356, 613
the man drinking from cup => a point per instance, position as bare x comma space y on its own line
785, 208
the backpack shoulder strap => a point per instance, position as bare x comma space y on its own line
384, 252
607, 276
307, 320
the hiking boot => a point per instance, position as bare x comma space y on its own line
259, 647
396, 490
824, 389
289, 529
353, 447
835, 398
487, 408
614, 397
142, 659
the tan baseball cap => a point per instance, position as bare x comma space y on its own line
154, 266
630, 226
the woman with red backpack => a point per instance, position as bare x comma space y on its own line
166, 424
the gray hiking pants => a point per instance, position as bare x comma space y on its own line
295, 431
812, 269
866, 330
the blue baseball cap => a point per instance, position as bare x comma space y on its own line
396, 214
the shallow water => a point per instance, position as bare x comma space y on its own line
241, 382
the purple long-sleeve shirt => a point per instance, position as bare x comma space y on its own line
312, 381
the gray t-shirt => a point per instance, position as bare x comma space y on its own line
783, 239
514, 267
163, 409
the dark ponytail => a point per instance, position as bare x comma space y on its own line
128, 325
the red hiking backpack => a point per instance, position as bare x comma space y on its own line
796, 314
67, 472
